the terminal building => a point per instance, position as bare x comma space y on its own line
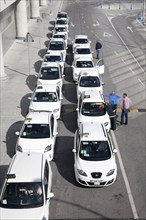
14, 17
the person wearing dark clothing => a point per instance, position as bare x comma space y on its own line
98, 46
112, 115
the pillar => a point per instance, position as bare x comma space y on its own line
21, 19
43, 2
2, 73
35, 13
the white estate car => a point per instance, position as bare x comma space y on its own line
50, 73
60, 29
62, 21
46, 98
57, 44
83, 50
86, 64
63, 35
26, 191
80, 40
94, 156
91, 107
54, 56
38, 134
90, 79
62, 14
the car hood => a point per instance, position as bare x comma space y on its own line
18, 214
82, 89
78, 70
44, 106
29, 144
101, 119
96, 166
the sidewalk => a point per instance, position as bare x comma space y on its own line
19, 84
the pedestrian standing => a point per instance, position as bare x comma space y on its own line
113, 99
125, 108
98, 46
112, 115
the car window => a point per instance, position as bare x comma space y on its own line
45, 97
52, 124
35, 131
84, 64
94, 150
81, 41
49, 73
93, 109
59, 45
46, 178
22, 195
83, 51
52, 58
89, 81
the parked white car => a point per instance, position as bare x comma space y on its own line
83, 50
63, 35
91, 107
80, 40
90, 79
62, 21
26, 191
38, 134
46, 98
94, 156
57, 44
63, 14
50, 73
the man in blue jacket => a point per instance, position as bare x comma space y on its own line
113, 99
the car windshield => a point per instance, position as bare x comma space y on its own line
59, 36
94, 150
93, 109
81, 41
22, 195
52, 58
89, 81
61, 15
83, 51
45, 97
60, 29
84, 64
59, 45
61, 21
49, 73
35, 131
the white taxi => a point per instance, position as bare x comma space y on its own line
89, 80
46, 98
38, 134
57, 44
63, 35
26, 191
62, 21
80, 40
91, 107
83, 50
50, 73
94, 156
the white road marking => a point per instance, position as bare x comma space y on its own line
87, 26
123, 61
116, 52
131, 70
133, 207
129, 28
107, 34
125, 45
141, 82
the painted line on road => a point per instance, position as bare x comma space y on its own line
87, 26
116, 52
141, 82
131, 70
123, 61
133, 207
125, 45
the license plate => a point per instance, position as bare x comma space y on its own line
96, 182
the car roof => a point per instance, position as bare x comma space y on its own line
62, 12
27, 167
46, 88
37, 117
53, 52
82, 46
83, 58
60, 26
81, 36
56, 40
90, 72
93, 131
92, 96
50, 64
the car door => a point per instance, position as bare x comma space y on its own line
100, 66
53, 134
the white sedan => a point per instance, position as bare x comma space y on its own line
46, 98
94, 156
80, 40
83, 50
38, 134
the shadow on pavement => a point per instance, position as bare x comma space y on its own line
52, 22
68, 74
49, 35
64, 158
69, 59
50, 28
37, 66
69, 117
46, 43
3, 172
42, 52
11, 137
24, 104
31, 81
69, 92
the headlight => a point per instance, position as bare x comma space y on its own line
110, 172
106, 123
81, 172
19, 148
56, 110
48, 148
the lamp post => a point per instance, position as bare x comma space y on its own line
28, 39
39, 20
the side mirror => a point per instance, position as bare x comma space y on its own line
90, 41
115, 150
17, 133
77, 109
102, 83
76, 83
50, 195
74, 150
55, 133
92, 52
36, 75
41, 59
29, 98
